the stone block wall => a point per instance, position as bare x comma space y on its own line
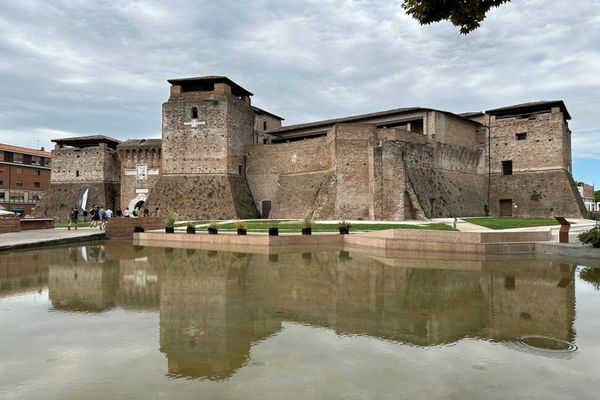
122, 228
352, 169
559, 195
214, 142
544, 147
454, 130
212, 196
10, 224
140, 170
266, 163
85, 165
62, 197
28, 224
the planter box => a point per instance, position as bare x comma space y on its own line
241, 231
307, 231
169, 229
344, 230
273, 231
191, 230
213, 231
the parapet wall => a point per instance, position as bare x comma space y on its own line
122, 228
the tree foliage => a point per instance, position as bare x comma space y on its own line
466, 14
597, 195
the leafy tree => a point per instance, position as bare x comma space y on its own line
467, 14
597, 195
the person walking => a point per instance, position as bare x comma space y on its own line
73, 218
103, 217
95, 214
127, 213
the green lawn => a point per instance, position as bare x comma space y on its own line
511, 222
295, 226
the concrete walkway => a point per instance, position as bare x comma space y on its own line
42, 237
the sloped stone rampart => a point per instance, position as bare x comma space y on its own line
557, 194
297, 194
62, 197
207, 196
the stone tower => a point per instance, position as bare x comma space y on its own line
85, 171
207, 123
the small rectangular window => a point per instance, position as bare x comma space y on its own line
265, 141
521, 136
37, 172
19, 184
18, 171
509, 282
507, 168
239, 169
264, 125
1, 183
77, 173
36, 184
18, 158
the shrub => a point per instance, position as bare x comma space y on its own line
239, 224
591, 237
170, 219
307, 222
594, 215
535, 196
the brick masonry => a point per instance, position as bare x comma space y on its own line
411, 163
122, 228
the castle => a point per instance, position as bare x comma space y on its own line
220, 157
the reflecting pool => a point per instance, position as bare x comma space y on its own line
116, 321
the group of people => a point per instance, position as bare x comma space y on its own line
99, 216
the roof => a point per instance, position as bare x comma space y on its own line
353, 118
85, 141
360, 118
24, 150
141, 143
261, 111
532, 106
471, 114
211, 79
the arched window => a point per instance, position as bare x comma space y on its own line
194, 112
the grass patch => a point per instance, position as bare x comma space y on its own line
295, 226
511, 222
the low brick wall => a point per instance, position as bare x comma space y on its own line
10, 224
122, 228
28, 224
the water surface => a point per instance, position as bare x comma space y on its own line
116, 321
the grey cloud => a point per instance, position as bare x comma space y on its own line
101, 67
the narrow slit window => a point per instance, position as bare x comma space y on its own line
521, 136
77, 173
507, 167
264, 125
194, 112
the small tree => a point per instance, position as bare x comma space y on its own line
591, 237
466, 14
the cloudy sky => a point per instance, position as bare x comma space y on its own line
77, 67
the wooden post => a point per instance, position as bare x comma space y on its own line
563, 233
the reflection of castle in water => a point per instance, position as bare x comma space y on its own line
214, 306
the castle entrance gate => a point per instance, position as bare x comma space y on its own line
137, 201
506, 208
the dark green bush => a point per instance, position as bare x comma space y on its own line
591, 237
594, 215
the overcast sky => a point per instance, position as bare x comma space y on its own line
77, 67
